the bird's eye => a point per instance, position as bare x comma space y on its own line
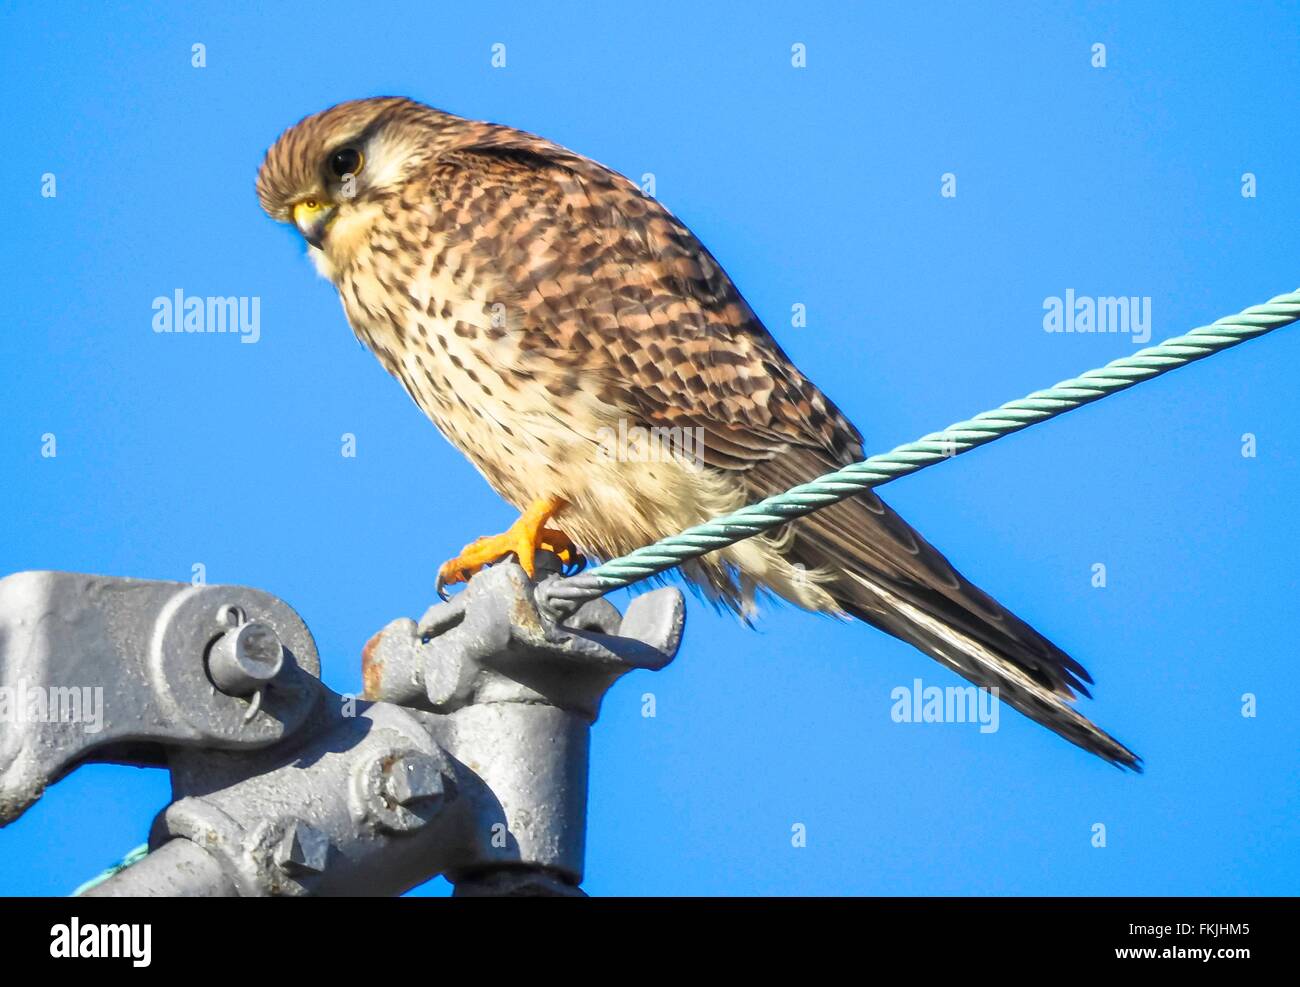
345, 161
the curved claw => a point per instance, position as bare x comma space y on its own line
448, 576
558, 543
460, 569
574, 564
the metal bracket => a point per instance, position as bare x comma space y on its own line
99, 668
468, 758
492, 643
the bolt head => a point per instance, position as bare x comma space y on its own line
245, 658
303, 850
413, 778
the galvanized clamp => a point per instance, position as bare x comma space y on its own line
467, 757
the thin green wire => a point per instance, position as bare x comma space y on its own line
139, 853
1118, 375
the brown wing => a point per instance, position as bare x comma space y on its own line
609, 282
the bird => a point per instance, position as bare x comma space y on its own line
549, 317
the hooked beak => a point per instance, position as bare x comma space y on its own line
312, 217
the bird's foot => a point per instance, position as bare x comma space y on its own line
522, 540
558, 544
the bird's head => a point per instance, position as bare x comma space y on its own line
328, 173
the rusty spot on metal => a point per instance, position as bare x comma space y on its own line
372, 669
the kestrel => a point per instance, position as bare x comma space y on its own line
534, 304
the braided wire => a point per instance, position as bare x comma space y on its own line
1118, 375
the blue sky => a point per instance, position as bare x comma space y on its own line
818, 186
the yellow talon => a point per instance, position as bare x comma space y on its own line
558, 543
522, 540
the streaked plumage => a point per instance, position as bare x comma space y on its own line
528, 298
